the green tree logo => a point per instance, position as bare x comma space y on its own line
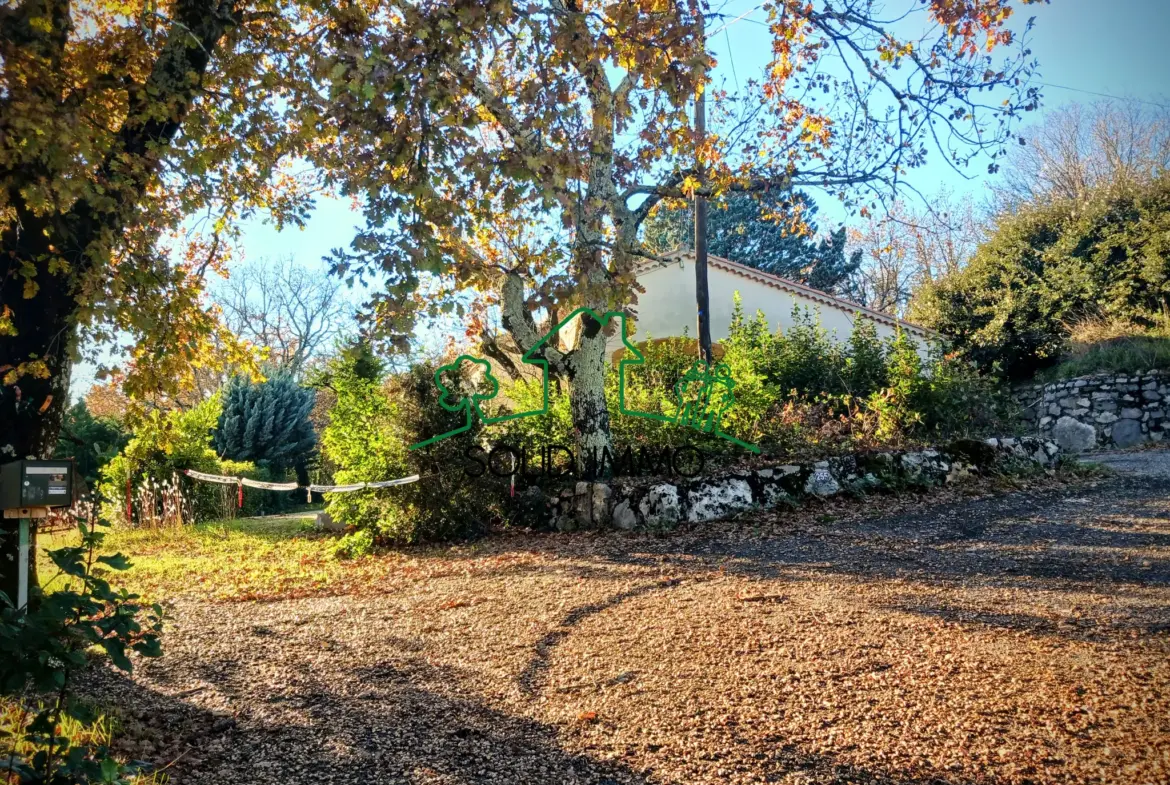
455, 399
704, 393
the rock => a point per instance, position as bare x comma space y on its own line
821, 483
660, 506
774, 495
601, 496
624, 517
1074, 436
1105, 418
1126, 433
1131, 414
325, 523
713, 500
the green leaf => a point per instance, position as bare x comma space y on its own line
117, 562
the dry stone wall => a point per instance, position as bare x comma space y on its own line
655, 505
1103, 411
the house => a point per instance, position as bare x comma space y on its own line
667, 307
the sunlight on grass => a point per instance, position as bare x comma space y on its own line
226, 560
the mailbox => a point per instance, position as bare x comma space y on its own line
25, 484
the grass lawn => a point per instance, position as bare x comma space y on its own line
246, 559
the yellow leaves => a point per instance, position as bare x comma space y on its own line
41, 24
35, 368
690, 184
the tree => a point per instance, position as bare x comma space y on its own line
494, 144
1078, 148
906, 249
884, 279
91, 441
771, 234
1053, 264
268, 424
280, 306
120, 121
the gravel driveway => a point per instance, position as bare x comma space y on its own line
1020, 638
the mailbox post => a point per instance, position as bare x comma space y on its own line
28, 490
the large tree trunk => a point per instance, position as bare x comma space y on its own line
31, 409
587, 368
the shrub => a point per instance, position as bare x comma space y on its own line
1113, 346
371, 427
267, 424
42, 650
152, 462
162, 446
1050, 266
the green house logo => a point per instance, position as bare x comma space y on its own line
704, 392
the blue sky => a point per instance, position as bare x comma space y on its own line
1117, 48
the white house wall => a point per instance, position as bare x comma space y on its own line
667, 307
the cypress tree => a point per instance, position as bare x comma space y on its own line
268, 424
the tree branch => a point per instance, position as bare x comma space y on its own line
518, 322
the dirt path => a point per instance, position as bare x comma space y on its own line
1010, 639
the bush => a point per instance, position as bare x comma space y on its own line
797, 393
152, 462
1051, 266
1113, 346
162, 446
371, 426
43, 649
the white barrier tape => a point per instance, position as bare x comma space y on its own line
210, 477
292, 486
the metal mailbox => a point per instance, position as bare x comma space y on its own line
25, 484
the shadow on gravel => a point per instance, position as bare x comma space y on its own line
398, 729
531, 679
391, 731
1120, 534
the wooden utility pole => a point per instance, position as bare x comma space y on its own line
702, 295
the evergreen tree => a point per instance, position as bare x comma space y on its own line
267, 423
756, 231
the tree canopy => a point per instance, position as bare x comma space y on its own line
772, 234
1050, 265
515, 150
484, 141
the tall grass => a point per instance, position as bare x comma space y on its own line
1113, 346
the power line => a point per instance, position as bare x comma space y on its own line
1103, 95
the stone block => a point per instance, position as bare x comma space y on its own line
324, 523
822, 482
1105, 418
1126, 433
660, 506
624, 516
1073, 435
1131, 414
710, 501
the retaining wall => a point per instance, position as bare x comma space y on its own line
653, 505
1106, 410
